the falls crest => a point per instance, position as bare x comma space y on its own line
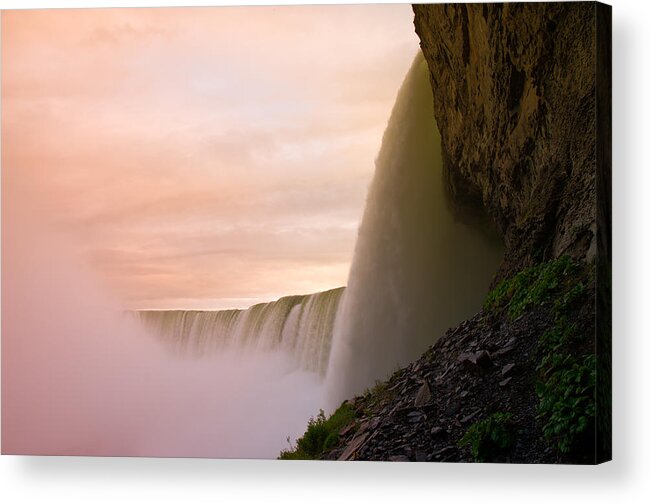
299, 325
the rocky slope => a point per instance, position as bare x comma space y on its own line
490, 366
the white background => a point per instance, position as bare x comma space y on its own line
627, 479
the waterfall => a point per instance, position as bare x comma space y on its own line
416, 271
300, 325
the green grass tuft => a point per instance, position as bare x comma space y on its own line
322, 434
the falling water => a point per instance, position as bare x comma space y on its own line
300, 325
416, 271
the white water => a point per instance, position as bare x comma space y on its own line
416, 271
301, 326
79, 377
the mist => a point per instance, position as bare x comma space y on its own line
156, 159
80, 376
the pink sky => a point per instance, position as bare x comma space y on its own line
207, 157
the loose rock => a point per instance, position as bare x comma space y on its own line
423, 396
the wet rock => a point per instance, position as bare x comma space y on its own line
420, 456
472, 415
436, 430
416, 416
347, 429
354, 445
502, 351
476, 362
483, 360
505, 382
443, 452
452, 408
507, 370
423, 396
362, 427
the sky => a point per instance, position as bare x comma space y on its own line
200, 157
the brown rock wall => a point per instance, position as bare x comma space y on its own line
515, 101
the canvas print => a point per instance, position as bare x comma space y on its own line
336, 232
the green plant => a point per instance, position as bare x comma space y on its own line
490, 438
565, 387
566, 378
567, 400
564, 301
532, 286
553, 341
322, 434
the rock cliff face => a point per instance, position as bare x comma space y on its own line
515, 101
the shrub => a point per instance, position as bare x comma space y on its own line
489, 439
322, 434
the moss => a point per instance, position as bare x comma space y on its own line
322, 434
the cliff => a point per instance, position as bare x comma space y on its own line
522, 100
515, 101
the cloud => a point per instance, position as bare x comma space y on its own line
123, 33
199, 156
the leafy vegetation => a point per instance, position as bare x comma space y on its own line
322, 434
567, 404
567, 364
566, 385
491, 438
535, 285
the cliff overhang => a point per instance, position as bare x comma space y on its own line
515, 99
